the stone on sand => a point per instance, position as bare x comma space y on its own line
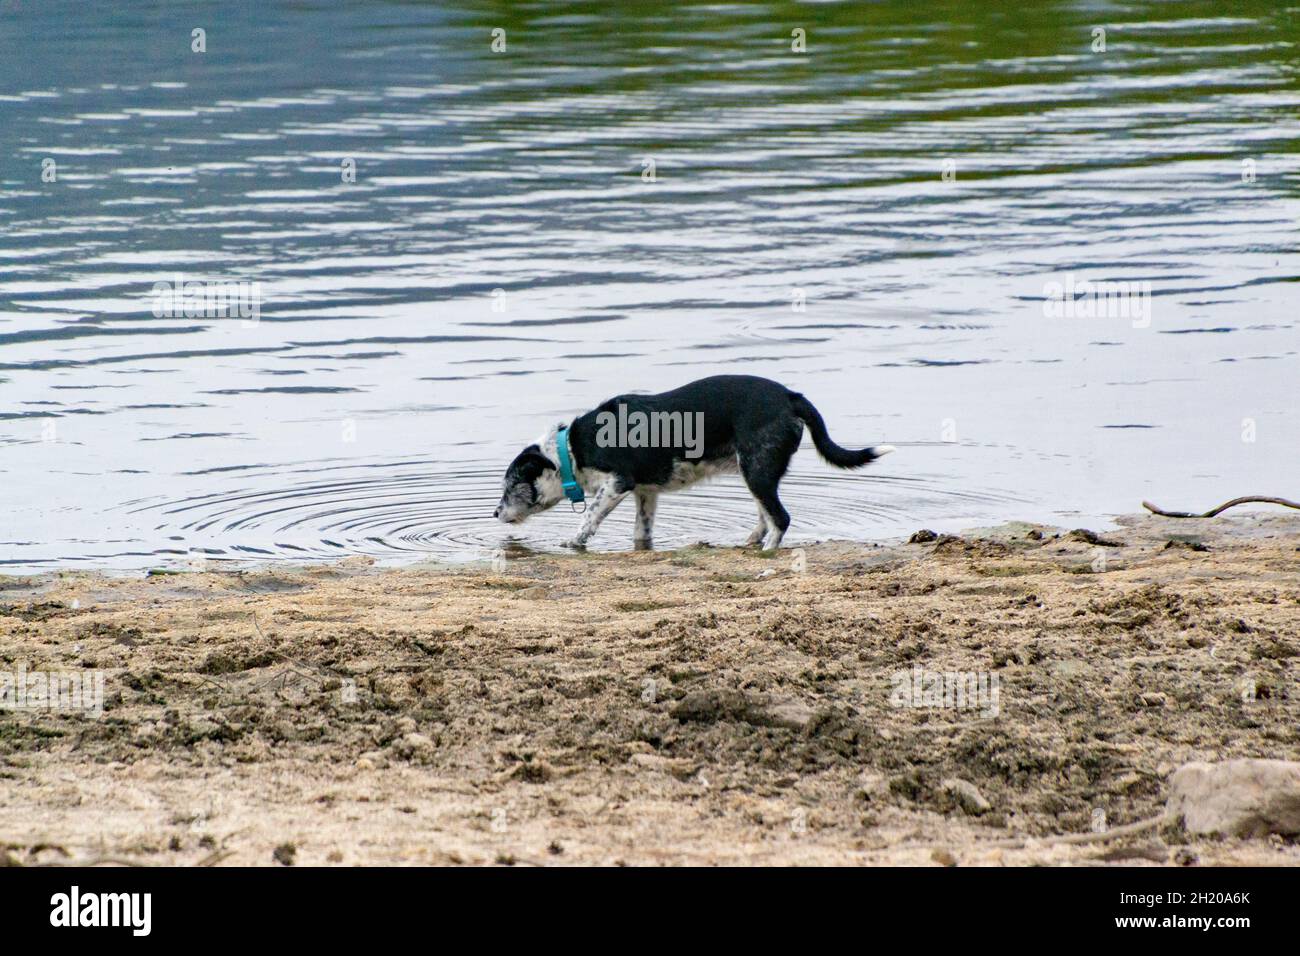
967, 795
1241, 798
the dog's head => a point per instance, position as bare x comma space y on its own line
531, 485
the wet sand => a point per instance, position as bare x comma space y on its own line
706, 705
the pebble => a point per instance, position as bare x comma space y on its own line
967, 795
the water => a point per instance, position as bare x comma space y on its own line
374, 404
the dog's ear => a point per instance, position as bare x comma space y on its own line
532, 458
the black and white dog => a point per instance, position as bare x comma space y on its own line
648, 444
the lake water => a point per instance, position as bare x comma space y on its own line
875, 222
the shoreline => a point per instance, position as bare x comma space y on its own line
533, 541
702, 705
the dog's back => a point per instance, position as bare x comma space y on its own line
706, 422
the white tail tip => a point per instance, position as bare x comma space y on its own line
880, 451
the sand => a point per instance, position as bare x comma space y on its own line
702, 706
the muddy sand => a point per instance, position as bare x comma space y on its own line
703, 706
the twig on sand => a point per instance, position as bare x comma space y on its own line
97, 861
37, 846
1127, 830
212, 859
1154, 509
1070, 838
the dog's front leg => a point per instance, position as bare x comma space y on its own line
643, 535
605, 500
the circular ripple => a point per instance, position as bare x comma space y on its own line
427, 509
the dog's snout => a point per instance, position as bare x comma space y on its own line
496, 512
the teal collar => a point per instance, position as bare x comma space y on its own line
572, 490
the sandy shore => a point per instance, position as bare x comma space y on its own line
707, 705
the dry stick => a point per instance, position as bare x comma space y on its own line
98, 861
1223, 507
1019, 842
212, 859
1127, 830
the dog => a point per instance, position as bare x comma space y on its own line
645, 445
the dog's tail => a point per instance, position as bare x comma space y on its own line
833, 453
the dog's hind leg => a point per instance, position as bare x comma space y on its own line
780, 521
763, 465
774, 517
760, 529
643, 535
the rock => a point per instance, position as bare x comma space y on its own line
203, 729
1029, 654
533, 771
943, 858
725, 704
1274, 650
406, 725
1070, 667
791, 714
681, 769
707, 706
1242, 798
1091, 537
922, 536
412, 746
967, 795
284, 854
